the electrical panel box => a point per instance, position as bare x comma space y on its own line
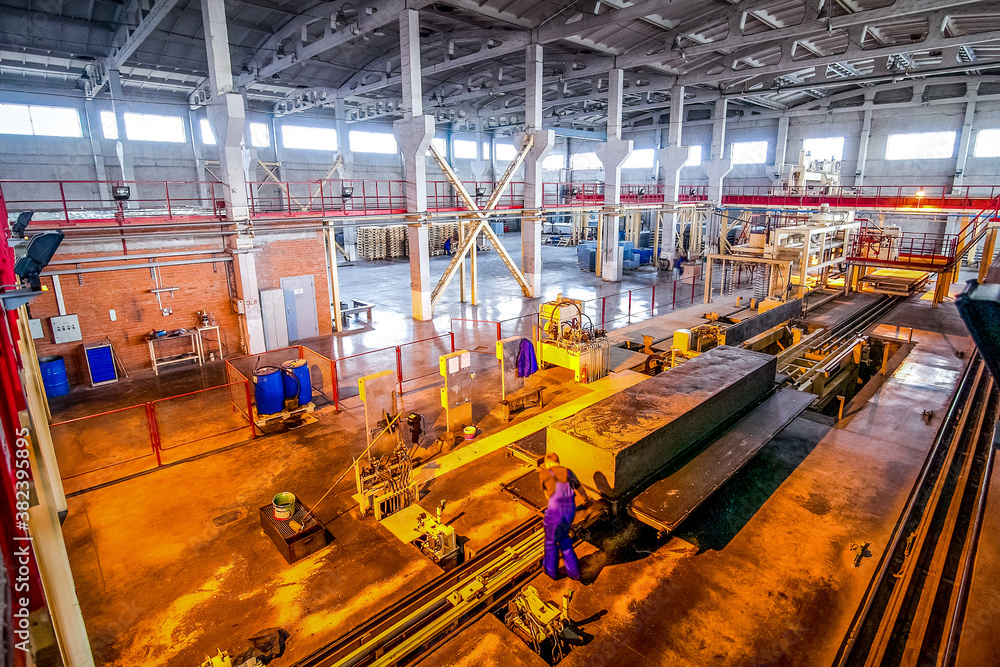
65, 329
35, 325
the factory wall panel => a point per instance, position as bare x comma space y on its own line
53, 158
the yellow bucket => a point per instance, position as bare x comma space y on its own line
470, 432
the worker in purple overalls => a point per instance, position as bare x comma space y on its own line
561, 488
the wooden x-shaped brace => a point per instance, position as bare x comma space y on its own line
481, 218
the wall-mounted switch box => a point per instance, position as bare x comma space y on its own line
65, 329
113, 315
36, 328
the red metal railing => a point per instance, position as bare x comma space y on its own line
592, 194
442, 196
874, 245
975, 197
327, 197
81, 202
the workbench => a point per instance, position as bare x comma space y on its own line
159, 361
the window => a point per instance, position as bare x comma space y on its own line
260, 136
506, 152
640, 159
440, 144
554, 162
486, 150
207, 136
920, 146
466, 150
824, 148
373, 142
585, 161
987, 143
749, 152
694, 157
109, 125
40, 121
150, 127
309, 138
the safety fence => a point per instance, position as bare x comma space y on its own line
322, 370
109, 446
479, 336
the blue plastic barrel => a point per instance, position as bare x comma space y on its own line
300, 369
54, 376
268, 391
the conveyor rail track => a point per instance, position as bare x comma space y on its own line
832, 341
421, 621
913, 610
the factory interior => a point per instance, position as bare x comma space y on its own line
499, 333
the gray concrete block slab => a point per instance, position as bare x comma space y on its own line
615, 445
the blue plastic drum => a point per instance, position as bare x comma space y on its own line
54, 376
268, 391
300, 369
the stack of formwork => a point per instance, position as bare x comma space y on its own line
372, 243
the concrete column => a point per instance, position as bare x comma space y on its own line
780, 150
866, 130
531, 221
199, 160
409, 55
414, 133
100, 166
718, 166
228, 119
420, 271
123, 147
612, 153
670, 160
249, 155
963, 144
346, 173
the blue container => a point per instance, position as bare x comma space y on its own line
268, 391
300, 369
54, 376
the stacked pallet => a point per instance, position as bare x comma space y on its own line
396, 244
382, 242
371, 243
440, 231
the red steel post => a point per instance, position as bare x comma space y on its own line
399, 369
253, 426
154, 434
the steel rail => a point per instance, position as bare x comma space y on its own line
913, 609
406, 629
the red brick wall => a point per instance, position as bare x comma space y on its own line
296, 257
202, 287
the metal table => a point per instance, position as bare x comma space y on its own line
193, 355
